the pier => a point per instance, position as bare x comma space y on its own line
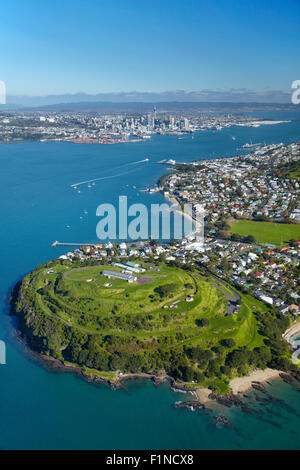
56, 243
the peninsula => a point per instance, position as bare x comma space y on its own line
112, 319
212, 318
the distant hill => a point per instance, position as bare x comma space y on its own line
167, 106
206, 98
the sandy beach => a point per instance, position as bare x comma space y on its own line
241, 384
174, 201
171, 198
203, 394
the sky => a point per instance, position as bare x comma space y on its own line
101, 46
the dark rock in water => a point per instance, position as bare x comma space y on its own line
269, 421
158, 379
296, 374
275, 399
221, 420
291, 379
258, 386
188, 404
272, 412
260, 399
283, 404
266, 400
246, 409
228, 399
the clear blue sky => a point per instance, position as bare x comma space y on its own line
61, 46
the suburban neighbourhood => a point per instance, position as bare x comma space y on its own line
259, 189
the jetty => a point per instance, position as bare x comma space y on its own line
56, 243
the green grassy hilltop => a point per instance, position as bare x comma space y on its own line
170, 318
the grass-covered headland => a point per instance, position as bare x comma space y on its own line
172, 319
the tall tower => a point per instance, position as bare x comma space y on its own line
151, 121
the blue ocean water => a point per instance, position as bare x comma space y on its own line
41, 409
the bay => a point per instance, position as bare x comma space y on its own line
41, 409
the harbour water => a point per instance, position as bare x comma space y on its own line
41, 409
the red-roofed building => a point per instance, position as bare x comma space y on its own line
257, 275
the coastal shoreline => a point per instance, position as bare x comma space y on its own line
238, 385
292, 331
56, 365
200, 397
242, 384
116, 379
174, 201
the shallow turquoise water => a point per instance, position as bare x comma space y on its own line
50, 410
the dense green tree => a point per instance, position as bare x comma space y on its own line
228, 342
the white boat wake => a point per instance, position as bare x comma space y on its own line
111, 176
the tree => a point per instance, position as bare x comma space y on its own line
166, 290
260, 357
228, 342
249, 239
238, 357
213, 368
202, 322
200, 356
187, 373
